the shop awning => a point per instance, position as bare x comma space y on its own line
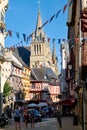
67, 102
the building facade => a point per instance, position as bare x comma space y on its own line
3, 8
77, 32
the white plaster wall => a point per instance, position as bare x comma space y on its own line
5, 73
84, 4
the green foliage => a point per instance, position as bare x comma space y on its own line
7, 89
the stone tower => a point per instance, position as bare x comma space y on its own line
40, 48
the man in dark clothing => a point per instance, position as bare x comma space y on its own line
9, 112
58, 116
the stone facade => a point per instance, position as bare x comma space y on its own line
40, 48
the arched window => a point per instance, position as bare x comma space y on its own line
35, 49
40, 49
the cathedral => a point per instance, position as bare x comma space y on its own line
41, 55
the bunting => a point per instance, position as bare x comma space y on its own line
64, 9
27, 38
10, 33
59, 40
48, 39
17, 34
43, 24
52, 17
58, 13
24, 36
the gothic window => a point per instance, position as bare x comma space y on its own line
40, 49
35, 49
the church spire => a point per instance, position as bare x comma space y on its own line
39, 32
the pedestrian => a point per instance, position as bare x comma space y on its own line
17, 118
58, 115
50, 111
9, 113
31, 116
26, 118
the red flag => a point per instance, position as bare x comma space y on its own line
48, 39
64, 8
10, 33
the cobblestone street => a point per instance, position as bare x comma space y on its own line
48, 124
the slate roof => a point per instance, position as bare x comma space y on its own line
43, 74
23, 55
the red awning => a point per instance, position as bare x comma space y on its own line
67, 102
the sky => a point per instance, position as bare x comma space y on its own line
21, 17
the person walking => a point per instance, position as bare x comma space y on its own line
31, 116
9, 113
58, 116
26, 118
17, 118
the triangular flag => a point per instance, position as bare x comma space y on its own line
43, 24
24, 36
52, 17
58, 13
64, 8
10, 33
59, 40
48, 39
17, 34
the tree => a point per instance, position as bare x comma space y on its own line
7, 89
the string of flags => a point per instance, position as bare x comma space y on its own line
27, 38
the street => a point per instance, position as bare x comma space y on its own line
46, 124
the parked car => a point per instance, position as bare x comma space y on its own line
37, 115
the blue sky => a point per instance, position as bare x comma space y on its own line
21, 17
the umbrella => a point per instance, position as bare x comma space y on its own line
32, 105
42, 104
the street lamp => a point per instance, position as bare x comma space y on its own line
70, 65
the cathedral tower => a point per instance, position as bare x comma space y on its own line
40, 48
